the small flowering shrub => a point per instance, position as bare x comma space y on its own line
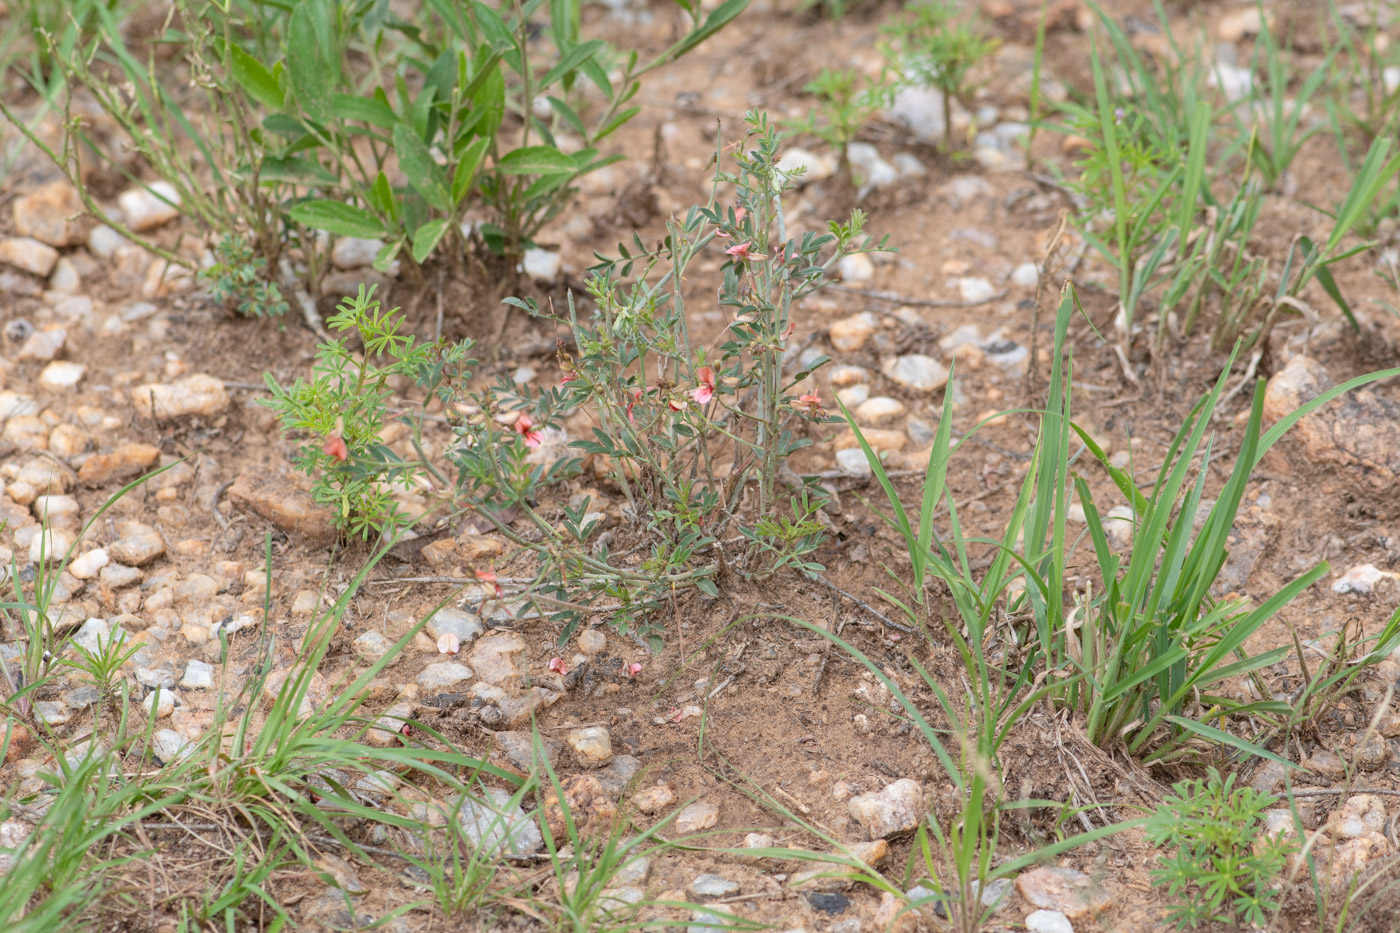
694, 435
343, 408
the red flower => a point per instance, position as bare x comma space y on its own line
706, 389
636, 397
335, 448
789, 330
677, 402
558, 666
489, 576
635, 668
743, 252
811, 401
523, 424
568, 377
739, 214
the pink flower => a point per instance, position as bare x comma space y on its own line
489, 576
636, 397
523, 424
568, 377
706, 389
335, 448
742, 252
789, 330
739, 214
635, 667
449, 643
557, 666
812, 401
677, 402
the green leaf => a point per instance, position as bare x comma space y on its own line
490, 100
338, 218
426, 237
1219, 735
306, 63
571, 61
535, 160
255, 79
421, 169
467, 165
295, 172
363, 109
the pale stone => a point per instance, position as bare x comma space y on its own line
917, 372
88, 565
895, 809
353, 252
697, 817
144, 209
592, 746
542, 265
28, 255
443, 674
199, 394
51, 213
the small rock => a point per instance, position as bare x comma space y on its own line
1326, 765
117, 576
975, 290
144, 209
443, 674
708, 885
51, 213
496, 826
917, 372
920, 109
848, 375
1268, 776
519, 748
198, 676
495, 659
1359, 815
28, 255
1372, 753
852, 461
67, 441
50, 546
1361, 579
103, 241
125, 462
43, 345
56, 511
653, 799
1048, 921
542, 265
52, 712
1239, 24
278, 682
880, 408
1026, 275
448, 621
371, 646
139, 544
850, 334
711, 919
592, 642
1355, 856
88, 565
855, 267
895, 809
819, 167
199, 394
1066, 890
288, 507
388, 728
832, 903
170, 745
353, 252
590, 807
159, 703
697, 817
592, 747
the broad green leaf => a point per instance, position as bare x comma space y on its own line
535, 160
467, 165
363, 109
338, 218
423, 173
255, 79
296, 172
426, 237
307, 65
